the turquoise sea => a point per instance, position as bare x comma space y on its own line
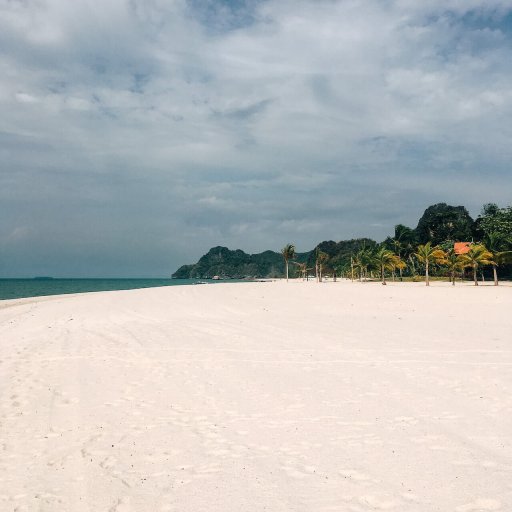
20, 288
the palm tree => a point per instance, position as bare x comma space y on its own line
288, 253
411, 261
427, 255
321, 259
364, 260
356, 264
404, 244
453, 264
302, 269
398, 263
345, 270
385, 259
397, 245
495, 244
477, 256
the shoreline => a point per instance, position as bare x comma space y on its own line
72, 286
433, 283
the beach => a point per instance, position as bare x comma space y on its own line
248, 397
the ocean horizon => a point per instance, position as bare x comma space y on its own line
20, 288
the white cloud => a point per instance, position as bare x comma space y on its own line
25, 98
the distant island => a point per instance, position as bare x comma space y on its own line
225, 263
441, 225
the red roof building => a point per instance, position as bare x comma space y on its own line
461, 247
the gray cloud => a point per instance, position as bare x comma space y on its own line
135, 135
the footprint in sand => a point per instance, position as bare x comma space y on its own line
409, 496
293, 472
108, 463
298, 470
207, 470
122, 505
65, 401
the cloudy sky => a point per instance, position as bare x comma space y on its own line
136, 134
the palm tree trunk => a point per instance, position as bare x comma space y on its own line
413, 266
453, 278
495, 272
401, 278
286, 263
475, 276
427, 282
383, 276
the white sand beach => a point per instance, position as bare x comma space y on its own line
258, 396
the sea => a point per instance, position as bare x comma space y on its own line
37, 287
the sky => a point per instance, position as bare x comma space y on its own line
137, 134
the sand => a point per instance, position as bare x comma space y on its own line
258, 396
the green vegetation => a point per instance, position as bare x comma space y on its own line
222, 262
428, 255
476, 257
494, 220
442, 222
496, 243
385, 260
427, 250
453, 264
288, 253
321, 259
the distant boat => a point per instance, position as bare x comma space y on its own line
216, 278
200, 282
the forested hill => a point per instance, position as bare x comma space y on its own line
441, 224
222, 262
225, 263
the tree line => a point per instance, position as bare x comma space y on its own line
428, 250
